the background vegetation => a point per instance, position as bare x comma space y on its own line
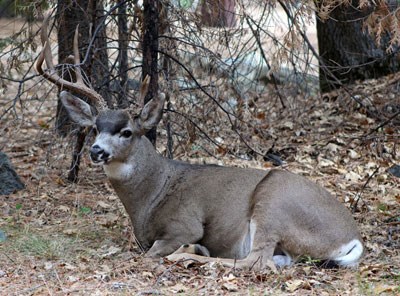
312, 87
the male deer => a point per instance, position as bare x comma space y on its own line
251, 218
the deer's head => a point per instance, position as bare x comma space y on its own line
117, 130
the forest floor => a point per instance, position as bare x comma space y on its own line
75, 239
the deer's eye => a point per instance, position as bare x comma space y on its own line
126, 134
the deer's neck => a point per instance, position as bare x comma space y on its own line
141, 163
141, 184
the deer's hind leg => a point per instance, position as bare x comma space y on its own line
261, 255
255, 261
264, 241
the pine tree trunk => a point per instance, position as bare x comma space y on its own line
88, 15
122, 54
151, 23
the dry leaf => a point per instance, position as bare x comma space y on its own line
72, 279
381, 288
228, 278
353, 154
48, 265
352, 177
326, 163
60, 181
109, 220
71, 231
147, 274
103, 204
178, 288
68, 266
333, 147
111, 251
231, 287
293, 285
289, 125
63, 209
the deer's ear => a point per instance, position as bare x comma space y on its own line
152, 113
78, 110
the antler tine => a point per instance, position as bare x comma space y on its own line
51, 75
46, 49
144, 88
77, 60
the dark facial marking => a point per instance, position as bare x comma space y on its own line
112, 121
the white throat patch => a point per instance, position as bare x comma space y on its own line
119, 170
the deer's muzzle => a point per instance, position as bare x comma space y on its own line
97, 154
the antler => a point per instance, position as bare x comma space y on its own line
51, 74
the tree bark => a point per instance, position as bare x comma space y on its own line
88, 15
151, 23
122, 54
69, 15
349, 53
98, 65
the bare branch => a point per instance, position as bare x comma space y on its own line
51, 74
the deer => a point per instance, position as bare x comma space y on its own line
243, 217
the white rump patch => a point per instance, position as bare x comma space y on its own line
348, 254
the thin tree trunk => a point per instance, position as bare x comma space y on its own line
68, 17
76, 156
122, 54
98, 66
151, 22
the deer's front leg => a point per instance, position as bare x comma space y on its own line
176, 233
163, 248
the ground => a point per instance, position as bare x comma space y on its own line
59, 238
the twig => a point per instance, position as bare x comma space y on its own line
355, 201
383, 123
259, 45
229, 115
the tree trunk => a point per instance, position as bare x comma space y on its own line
349, 53
69, 15
122, 54
97, 65
88, 15
76, 155
151, 23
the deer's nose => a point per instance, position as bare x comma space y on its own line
98, 154
96, 150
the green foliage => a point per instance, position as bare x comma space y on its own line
84, 210
310, 261
25, 8
382, 207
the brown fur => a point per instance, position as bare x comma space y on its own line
246, 215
